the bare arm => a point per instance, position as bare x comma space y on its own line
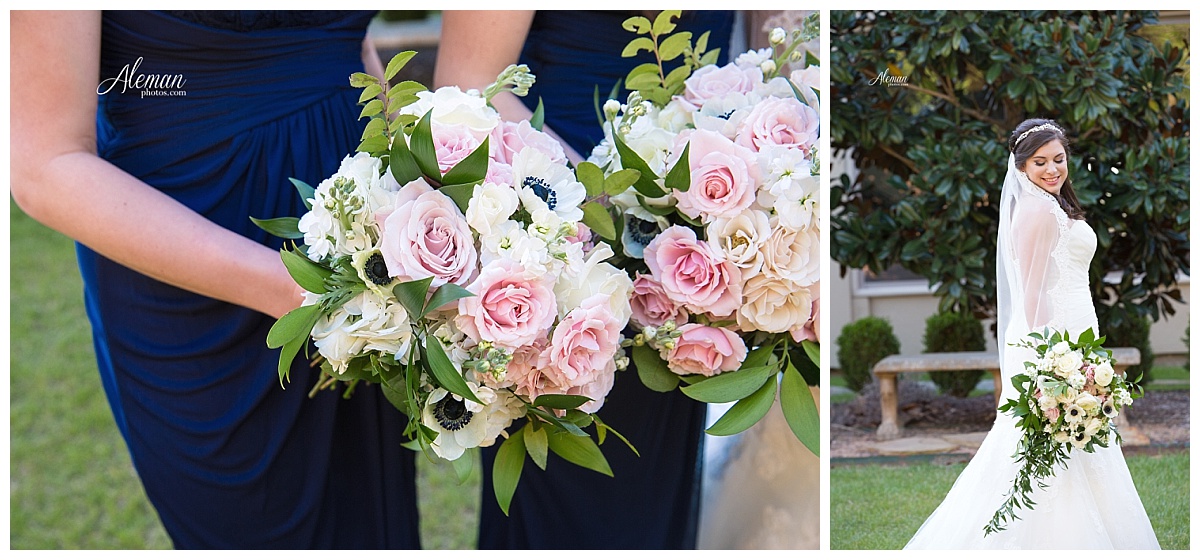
58, 179
475, 46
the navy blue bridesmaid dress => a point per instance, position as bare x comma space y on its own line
229, 458
652, 502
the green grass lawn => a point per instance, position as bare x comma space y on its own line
878, 507
71, 483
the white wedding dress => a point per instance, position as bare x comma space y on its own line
1091, 504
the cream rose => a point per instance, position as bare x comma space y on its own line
792, 254
774, 305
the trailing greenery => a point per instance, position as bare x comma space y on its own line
954, 332
931, 151
861, 345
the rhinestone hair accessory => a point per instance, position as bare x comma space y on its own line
1046, 126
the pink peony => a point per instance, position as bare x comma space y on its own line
509, 138
651, 305
512, 307
724, 177
452, 143
690, 274
709, 82
427, 236
582, 350
706, 351
782, 122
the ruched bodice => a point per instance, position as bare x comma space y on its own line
228, 457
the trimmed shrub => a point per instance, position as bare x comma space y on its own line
861, 345
954, 332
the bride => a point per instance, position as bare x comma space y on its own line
1043, 253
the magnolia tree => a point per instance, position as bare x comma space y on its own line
924, 102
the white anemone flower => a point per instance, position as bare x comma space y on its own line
541, 182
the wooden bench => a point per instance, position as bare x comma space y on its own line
887, 369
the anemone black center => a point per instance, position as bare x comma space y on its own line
452, 413
376, 270
642, 231
541, 189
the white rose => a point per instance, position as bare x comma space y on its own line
792, 254
808, 81
595, 277
1062, 437
1068, 364
1104, 374
334, 341
774, 305
491, 205
451, 106
382, 326
674, 117
1092, 426
738, 239
1088, 402
1047, 402
1060, 348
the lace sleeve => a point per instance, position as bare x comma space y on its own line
1038, 227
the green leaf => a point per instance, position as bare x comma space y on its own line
286, 227
309, 275
412, 295
306, 192
643, 68
362, 79
407, 87
580, 450
396, 394
730, 386
553, 420
663, 22
601, 427
537, 443
653, 370
747, 411
620, 181
636, 45
370, 92
759, 356
375, 127
506, 470
372, 108
445, 293
421, 145
460, 194
372, 145
538, 119
800, 410
643, 81
676, 78
471, 169
561, 402
402, 164
596, 217
463, 466
396, 63
636, 24
680, 177
813, 350
673, 46
297, 323
591, 176
439, 364
630, 160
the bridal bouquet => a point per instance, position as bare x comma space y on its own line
447, 262
721, 227
1068, 397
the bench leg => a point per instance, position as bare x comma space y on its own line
998, 385
888, 428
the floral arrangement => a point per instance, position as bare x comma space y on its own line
1069, 397
449, 261
721, 229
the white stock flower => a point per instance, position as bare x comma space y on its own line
754, 58
491, 205
1077, 380
342, 219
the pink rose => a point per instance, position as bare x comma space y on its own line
780, 122
427, 236
524, 376
499, 173
706, 351
708, 82
582, 351
452, 143
651, 305
512, 307
810, 330
724, 178
1051, 414
690, 274
509, 138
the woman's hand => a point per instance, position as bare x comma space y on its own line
58, 179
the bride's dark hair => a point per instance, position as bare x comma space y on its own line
1035, 140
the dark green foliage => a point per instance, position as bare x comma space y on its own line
1133, 333
954, 332
861, 344
932, 152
